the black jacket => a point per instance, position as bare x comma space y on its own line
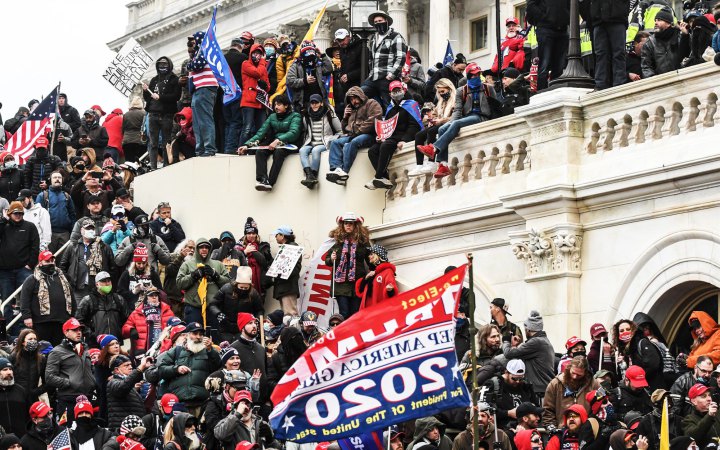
630, 400
609, 11
167, 87
102, 314
11, 182
554, 14
70, 116
224, 302
34, 441
98, 138
73, 263
171, 234
289, 286
37, 170
123, 399
30, 307
235, 58
28, 373
69, 373
351, 62
445, 72
127, 282
407, 127
506, 397
19, 244
663, 52
14, 408
253, 356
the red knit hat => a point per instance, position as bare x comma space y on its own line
140, 253
83, 405
243, 319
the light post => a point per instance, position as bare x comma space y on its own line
574, 74
359, 12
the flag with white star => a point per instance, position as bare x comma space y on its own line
449, 55
38, 123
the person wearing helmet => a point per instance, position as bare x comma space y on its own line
349, 258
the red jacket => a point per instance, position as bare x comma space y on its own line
113, 125
375, 291
186, 130
512, 51
250, 76
138, 322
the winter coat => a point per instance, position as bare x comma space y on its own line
101, 439
539, 357
297, 80
180, 441
167, 87
186, 133
711, 345
132, 122
69, 373
662, 53
72, 262
37, 170
641, 352
157, 251
374, 291
98, 137
99, 221
464, 103
11, 182
553, 14
251, 76
512, 52
171, 234
14, 409
29, 373
632, 400
81, 196
35, 441
190, 387
70, 116
289, 286
114, 238
347, 288
416, 85
609, 11
556, 402
361, 120
113, 126
681, 387
649, 426
351, 62
174, 294
702, 427
259, 261
61, 208
330, 125
446, 72
123, 399
30, 306
506, 397
19, 244
40, 217
235, 58
252, 357
508, 329
700, 39
187, 278
154, 423
129, 279
137, 321
102, 314
231, 258
287, 129
223, 302
422, 427
407, 127
231, 430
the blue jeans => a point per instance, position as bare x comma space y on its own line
379, 90
305, 152
552, 51
344, 149
203, 102
252, 120
348, 305
114, 153
449, 131
233, 126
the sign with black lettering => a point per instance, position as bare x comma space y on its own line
128, 67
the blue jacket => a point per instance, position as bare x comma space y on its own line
716, 42
61, 209
114, 238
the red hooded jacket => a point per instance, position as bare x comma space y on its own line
522, 439
554, 442
374, 292
113, 125
137, 321
250, 76
187, 129
512, 51
711, 345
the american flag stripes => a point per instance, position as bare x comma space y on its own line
61, 441
38, 123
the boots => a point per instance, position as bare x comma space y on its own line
307, 182
314, 177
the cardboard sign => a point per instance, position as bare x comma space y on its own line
285, 261
128, 67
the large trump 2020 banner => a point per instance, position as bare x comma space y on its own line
387, 364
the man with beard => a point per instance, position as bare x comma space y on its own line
595, 432
252, 354
39, 165
509, 391
633, 393
184, 433
567, 438
61, 209
200, 278
90, 134
486, 429
69, 369
43, 428
528, 417
136, 281
242, 425
228, 254
489, 354
184, 369
308, 326
13, 401
428, 435
157, 251
569, 387
87, 434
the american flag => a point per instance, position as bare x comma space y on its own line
61, 441
38, 123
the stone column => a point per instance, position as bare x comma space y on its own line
324, 32
398, 10
439, 30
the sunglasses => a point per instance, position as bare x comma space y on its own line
517, 379
334, 324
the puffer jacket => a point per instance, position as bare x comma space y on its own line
187, 279
330, 125
556, 401
539, 357
662, 53
710, 346
38, 169
131, 125
11, 182
361, 120
113, 126
190, 387
123, 399
251, 74
102, 314
297, 80
137, 321
287, 129
168, 89
69, 373
61, 209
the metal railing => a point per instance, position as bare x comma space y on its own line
17, 291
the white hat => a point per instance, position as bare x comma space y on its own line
516, 367
341, 33
244, 275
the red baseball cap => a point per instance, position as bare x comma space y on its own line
41, 142
242, 395
512, 20
39, 409
696, 391
472, 68
636, 375
397, 84
168, 401
45, 255
245, 445
597, 329
573, 341
72, 324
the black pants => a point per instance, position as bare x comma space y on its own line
380, 154
183, 147
158, 123
261, 158
425, 136
49, 331
133, 151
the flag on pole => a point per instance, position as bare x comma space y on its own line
61, 441
38, 123
309, 36
218, 64
665, 427
406, 67
449, 55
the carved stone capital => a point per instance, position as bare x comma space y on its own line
457, 9
416, 18
549, 254
397, 4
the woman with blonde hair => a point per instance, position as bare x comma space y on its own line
437, 115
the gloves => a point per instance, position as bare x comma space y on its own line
197, 274
208, 271
221, 318
262, 85
265, 431
134, 334
507, 338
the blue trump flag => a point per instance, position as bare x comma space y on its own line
365, 441
449, 55
218, 64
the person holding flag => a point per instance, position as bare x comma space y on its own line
200, 277
204, 90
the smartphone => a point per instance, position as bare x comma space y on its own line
97, 175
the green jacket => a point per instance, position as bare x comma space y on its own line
701, 427
190, 387
288, 129
189, 283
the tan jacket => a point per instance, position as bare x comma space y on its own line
555, 402
361, 120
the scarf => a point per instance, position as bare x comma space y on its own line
317, 115
44, 292
228, 401
94, 261
348, 259
256, 273
153, 319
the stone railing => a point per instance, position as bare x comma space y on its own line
483, 151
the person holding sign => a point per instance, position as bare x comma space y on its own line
287, 291
405, 113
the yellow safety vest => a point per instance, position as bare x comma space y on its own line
531, 38
650, 14
585, 42
631, 32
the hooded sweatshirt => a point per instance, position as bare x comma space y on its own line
186, 130
710, 346
522, 439
617, 440
252, 74
187, 279
167, 86
422, 427
361, 120
563, 439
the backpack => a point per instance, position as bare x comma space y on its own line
669, 366
45, 203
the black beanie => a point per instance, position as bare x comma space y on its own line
276, 317
251, 226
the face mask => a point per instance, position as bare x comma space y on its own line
243, 293
382, 28
41, 153
445, 96
105, 289
255, 58
84, 421
45, 426
625, 336
309, 63
48, 269
397, 98
647, 332
583, 354
11, 165
163, 69
269, 51
31, 346
89, 234
267, 327
474, 83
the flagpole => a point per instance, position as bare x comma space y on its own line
55, 117
473, 354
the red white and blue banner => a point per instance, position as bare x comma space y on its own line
365, 441
218, 64
387, 364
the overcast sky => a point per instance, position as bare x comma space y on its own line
46, 41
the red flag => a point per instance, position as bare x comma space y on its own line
406, 67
